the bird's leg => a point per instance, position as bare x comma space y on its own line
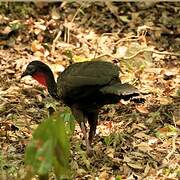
88, 146
81, 119
92, 133
92, 120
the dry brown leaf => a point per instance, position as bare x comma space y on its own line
112, 178
135, 165
121, 51
103, 175
55, 13
37, 31
40, 25
144, 147
178, 123
112, 8
7, 30
152, 140
127, 159
41, 4
165, 100
39, 55
147, 169
110, 152
13, 90
81, 171
10, 71
36, 46
142, 109
141, 135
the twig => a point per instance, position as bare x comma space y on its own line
96, 49
140, 51
127, 39
68, 33
174, 121
102, 55
3, 99
173, 145
165, 53
60, 32
6, 112
173, 149
153, 51
55, 40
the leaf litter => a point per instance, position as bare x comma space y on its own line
133, 141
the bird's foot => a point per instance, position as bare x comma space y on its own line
90, 151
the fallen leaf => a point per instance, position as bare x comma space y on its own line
121, 51
141, 135
142, 109
55, 13
103, 175
147, 169
36, 46
127, 159
144, 147
164, 100
135, 165
110, 152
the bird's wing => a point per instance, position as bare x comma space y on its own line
86, 74
120, 89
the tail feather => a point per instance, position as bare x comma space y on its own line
125, 91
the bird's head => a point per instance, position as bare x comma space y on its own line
39, 71
43, 74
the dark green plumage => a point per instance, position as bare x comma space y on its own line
85, 87
93, 84
93, 73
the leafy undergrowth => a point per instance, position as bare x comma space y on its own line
133, 141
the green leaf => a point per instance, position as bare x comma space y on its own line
49, 148
69, 120
118, 178
45, 157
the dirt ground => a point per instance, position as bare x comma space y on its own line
133, 141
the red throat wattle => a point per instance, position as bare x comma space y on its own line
41, 78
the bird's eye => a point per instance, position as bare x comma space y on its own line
31, 69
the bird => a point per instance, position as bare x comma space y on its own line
84, 87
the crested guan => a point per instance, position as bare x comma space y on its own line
85, 87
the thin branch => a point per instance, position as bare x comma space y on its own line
126, 39
60, 32
140, 51
55, 40
173, 149
78, 10
153, 51
102, 55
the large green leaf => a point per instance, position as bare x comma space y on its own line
49, 147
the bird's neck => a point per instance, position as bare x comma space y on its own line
52, 86
47, 80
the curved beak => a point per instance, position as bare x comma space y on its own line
25, 73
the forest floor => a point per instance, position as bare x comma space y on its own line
133, 141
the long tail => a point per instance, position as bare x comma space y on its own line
125, 91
